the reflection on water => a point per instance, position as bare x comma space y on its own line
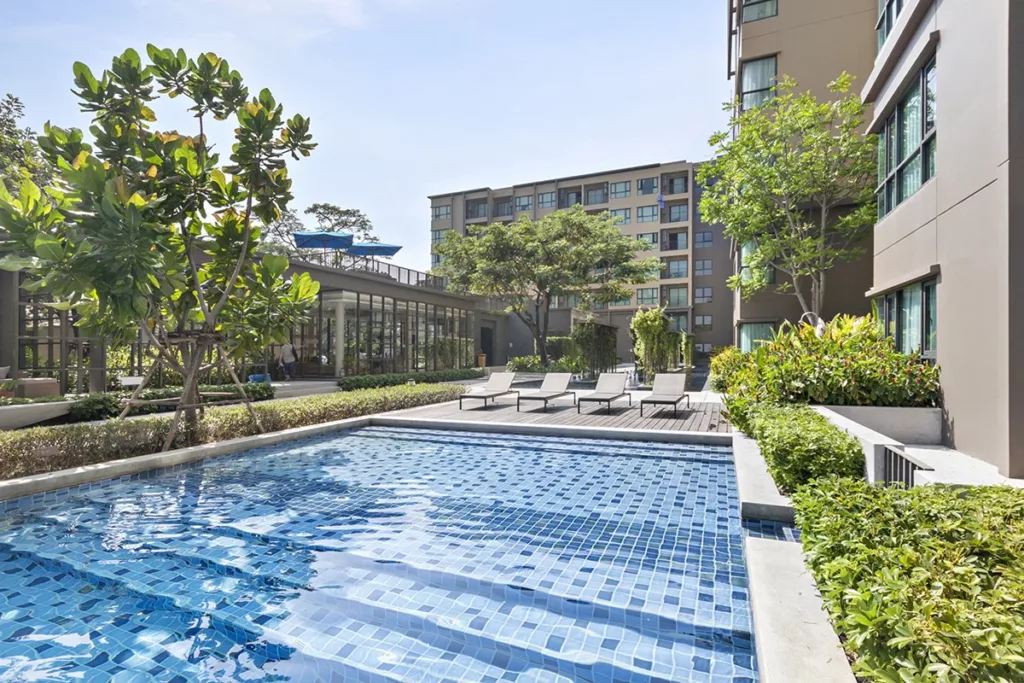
388, 555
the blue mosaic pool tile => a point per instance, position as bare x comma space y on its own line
774, 530
387, 554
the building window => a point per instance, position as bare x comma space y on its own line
677, 322
676, 185
568, 198
757, 81
888, 11
503, 207
906, 143
627, 301
623, 215
910, 317
752, 334
524, 204
678, 297
650, 238
702, 240
679, 212
647, 214
437, 236
746, 274
702, 322
647, 296
597, 196
702, 267
702, 348
702, 295
646, 186
620, 190
441, 213
677, 268
435, 260
759, 9
676, 240
546, 200
476, 209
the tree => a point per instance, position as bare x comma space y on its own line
333, 218
144, 232
19, 153
278, 233
528, 263
794, 188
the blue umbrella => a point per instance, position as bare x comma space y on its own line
372, 249
322, 240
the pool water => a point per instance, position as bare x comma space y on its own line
387, 555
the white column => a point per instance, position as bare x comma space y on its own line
339, 338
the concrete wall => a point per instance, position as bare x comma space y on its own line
960, 222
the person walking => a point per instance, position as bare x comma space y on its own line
288, 357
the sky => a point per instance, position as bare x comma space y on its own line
409, 98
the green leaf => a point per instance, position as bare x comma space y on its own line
84, 78
14, 263
275, 264
48, 248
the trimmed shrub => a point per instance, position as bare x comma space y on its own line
724, 364
13, 401
396, 378
923, 585
799, 445
533, 364
560, 347
45, 449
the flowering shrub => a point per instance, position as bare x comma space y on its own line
851, 364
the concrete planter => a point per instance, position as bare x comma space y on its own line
16, 417
918, 426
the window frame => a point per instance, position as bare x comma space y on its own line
527, 198
768, 89
437, 236
625, 214
700, 271
686, 210
642, 300
888, 13
891, 149
685, 267
542, 203
703, 322
641, 218
640, 187
498, 211
889, 306
754, 3
703, 295
619, 194
653, 241
435, 212
685, 237
698, 241
675, 289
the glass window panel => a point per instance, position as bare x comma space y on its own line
546, 200
757, 80
623, 214
751, 334
678, 297
930, 92
931, 328
759, 9
929, 158
910, 319
647, 296
910, 122
620, 190
910, 177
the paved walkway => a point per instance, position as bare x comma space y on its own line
703, 415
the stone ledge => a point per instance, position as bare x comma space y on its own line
794, 638
759, 496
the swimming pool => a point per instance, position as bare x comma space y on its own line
383, 555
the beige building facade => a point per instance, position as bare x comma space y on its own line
947, 87
812, 41
656, 204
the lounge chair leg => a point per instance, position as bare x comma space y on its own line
517, 404
609, 407
641, 408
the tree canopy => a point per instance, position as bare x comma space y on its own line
147, 232
528, 263
794, 187
333, 218
20, 157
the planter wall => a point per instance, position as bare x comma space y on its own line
917, 426
16, 417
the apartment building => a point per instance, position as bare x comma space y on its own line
812, 41
657, 205
949, 242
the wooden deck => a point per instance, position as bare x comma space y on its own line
703, 415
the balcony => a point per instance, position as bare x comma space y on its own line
567, 198
676, 213
679, 184
503, 207
597, 194
476, 209
674, 241
675, 269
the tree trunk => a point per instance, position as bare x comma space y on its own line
542, 338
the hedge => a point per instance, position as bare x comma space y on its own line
105, 405
724, 364
800, 445
925, 584
45, 449
396, 378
